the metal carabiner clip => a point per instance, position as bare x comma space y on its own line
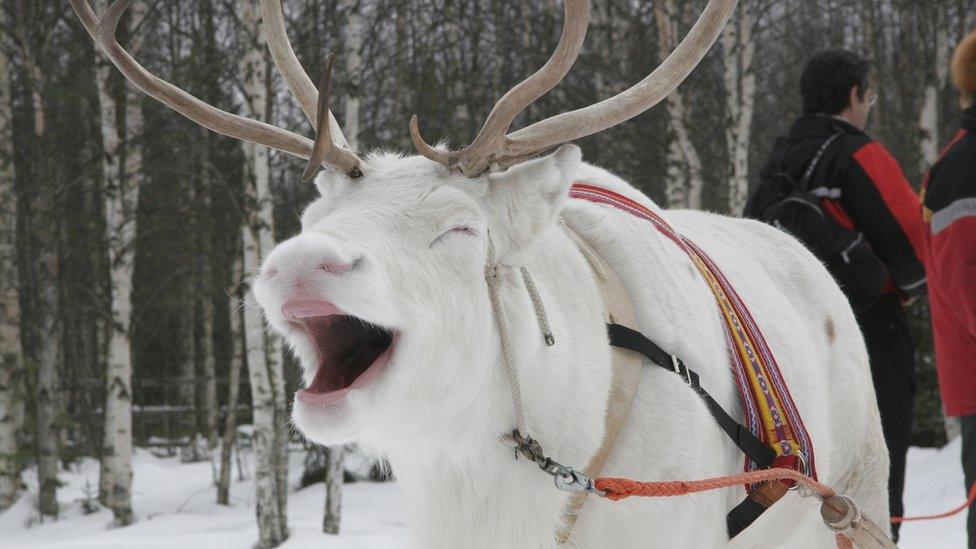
571, 480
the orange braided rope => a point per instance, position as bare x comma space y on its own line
620, 488
617, 489
957, 510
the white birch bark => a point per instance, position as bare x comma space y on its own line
45, 265
273, 351
684, 184
11, 355
229, 437
599, 29
207, 287
738, 51
353, 41
262, 351
928, 117
333, 490
208, 366
121, 166
47, 365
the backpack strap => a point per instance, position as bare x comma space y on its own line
808, 174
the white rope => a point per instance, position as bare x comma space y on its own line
493, 277
540, 309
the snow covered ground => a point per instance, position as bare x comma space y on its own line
175, 509
934, 485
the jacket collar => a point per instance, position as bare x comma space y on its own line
821, 125
969, 118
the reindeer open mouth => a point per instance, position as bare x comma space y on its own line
351, 351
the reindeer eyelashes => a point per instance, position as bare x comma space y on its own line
467, 230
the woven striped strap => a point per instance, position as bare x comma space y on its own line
770, 413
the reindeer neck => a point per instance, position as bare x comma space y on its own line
483, 496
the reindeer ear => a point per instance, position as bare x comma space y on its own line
525, 200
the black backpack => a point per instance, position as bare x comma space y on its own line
787, 204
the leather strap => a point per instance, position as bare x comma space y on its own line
755, 504
626, 366
761, 497
627, 338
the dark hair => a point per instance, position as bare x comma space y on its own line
828, 78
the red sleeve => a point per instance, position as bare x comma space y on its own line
882, 205
953, 261
895, 190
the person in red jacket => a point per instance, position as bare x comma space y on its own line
949, 212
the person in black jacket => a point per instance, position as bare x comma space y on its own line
862, 187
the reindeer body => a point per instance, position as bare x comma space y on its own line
439, 410
810, 328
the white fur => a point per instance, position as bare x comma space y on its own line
441, 406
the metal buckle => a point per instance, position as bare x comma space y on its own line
676, 367
804, 468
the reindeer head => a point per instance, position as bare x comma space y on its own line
383, 295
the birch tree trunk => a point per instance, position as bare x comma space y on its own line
872, 32
928, 117
207, 286
202, 367
121, 167
333, 490
353, 40
275, 361
738, 50
684, 184
262, 352
600, 29
229, 437
453, 57
186, 387
354, 66
47, 355
44, 244
11, 356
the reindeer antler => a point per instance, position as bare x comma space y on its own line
475, 158
325, 151
493, 145
103, 32
302, 88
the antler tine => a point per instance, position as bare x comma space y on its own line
324, 150
475, 158
638, 98
231, 125
291, 70
448, 158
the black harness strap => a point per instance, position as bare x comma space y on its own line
625, 338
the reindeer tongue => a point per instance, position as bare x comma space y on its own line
347, 346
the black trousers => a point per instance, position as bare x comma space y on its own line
892, 355
968, 424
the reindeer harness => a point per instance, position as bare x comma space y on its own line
773, 434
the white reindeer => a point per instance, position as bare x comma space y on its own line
383, 296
